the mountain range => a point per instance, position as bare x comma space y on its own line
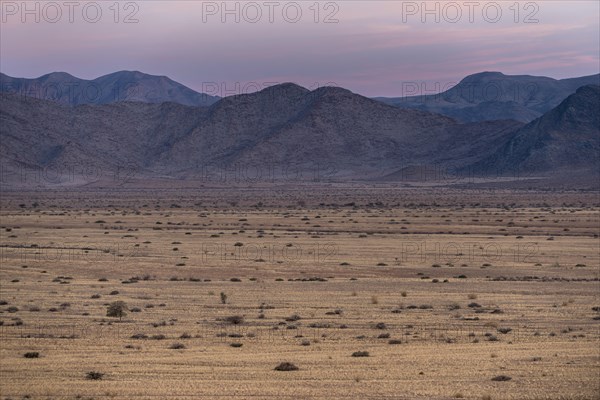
493, 95
484, 96
118, 86
287, 132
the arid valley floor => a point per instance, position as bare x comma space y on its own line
372, 292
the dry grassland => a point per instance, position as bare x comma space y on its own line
444, 290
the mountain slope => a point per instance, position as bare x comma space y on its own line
286, 127
567, 138
290, 132
100, 139
329, 128
493, 95
119, 86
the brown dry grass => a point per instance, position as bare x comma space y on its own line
53, 258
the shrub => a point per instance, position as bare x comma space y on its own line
94, 375
139, 336
117, 309
223, 298
234, 319
158, 337
177, 346
360, 354
286, 366
472, 296
501, 378
31, 354
236, 344
395, 341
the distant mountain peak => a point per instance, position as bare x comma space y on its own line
118, 86
132, 74
58, 75
286, 88
485, 74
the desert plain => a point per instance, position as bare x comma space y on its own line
370, 292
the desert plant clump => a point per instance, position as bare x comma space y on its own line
234, 319
501, 378
177, 346
31, 354
223, 298
94, 375
117, 309
139, 336
286, 366
360, 354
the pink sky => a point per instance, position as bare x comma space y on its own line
372, 49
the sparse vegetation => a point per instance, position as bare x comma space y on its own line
117, 309
322, 310
286, 366
94, 375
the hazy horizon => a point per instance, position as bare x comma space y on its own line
371, 48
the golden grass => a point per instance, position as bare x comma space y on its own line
54, 258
